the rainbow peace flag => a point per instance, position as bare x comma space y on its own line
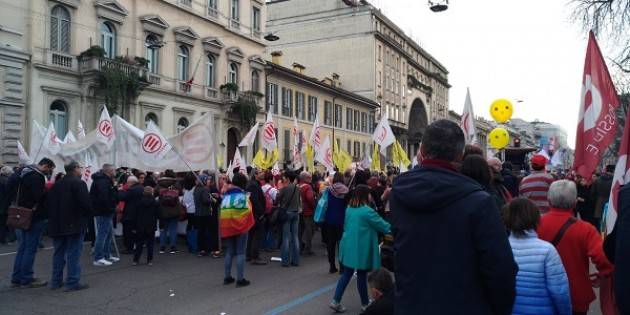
236, 216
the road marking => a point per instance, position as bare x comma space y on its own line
301, 300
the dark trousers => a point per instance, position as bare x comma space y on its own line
144, 238
253, 240
91, 231
4, 230
207, 233
128, 236
333, 237
67, 254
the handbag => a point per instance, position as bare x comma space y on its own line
321, 208
279, 214
19, 217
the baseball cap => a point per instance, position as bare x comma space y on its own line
539, 160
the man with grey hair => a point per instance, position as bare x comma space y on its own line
452, 252
103, 193
576, 241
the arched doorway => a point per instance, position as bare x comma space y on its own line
233, 138
418, 122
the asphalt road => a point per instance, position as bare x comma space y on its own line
178, 284
181, 284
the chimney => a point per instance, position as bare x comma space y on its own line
335, 80
298, 68
327, 81
276, 57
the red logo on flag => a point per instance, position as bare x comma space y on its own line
195, 142
382, 135
151, 143
53, 137
268, 132
105, 128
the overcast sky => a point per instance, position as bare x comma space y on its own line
528, 50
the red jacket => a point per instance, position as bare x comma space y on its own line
308, 199
580, 242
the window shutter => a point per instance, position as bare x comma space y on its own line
65, 37
54, 33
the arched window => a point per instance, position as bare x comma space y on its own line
149, 117
182, 124
233, 74
60, 29
182, 63
58, 115
108, 39
255, 81
210, 71
153, 47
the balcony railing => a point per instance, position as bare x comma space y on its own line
187, 3
212, 12
211, 92
154, 79
235, 24
100, 64
229, 96
183, 87
61, 60
257, 34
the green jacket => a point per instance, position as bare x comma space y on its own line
359, 245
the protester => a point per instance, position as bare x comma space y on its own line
214, 240
203, 210
257, 198
601, 194
452, 252
31, 193
307, 224
621, 248
585, 206
536, 185
131, 197
476, 167
103, 196
358, 249
69, 208
270, 192
236, 220
334, 219
168, 197
188, 201
497, 182
510, 182
289, 200
542, 286
5, 173
382, 290
146, 220
576, 241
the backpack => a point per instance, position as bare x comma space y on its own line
169, 197
268, 202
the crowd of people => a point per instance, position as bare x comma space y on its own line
468, 234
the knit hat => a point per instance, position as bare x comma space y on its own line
203, 178
539, 160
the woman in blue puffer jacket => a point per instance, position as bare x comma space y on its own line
542, 286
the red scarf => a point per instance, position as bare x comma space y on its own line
439, 164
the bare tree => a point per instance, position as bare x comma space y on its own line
610, 18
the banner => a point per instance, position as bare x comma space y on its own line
23, 156
324, 155
105, 128
268, 134
80, 131
250, 137
467, 122
315, 139
383, 135
51, 142
154, 145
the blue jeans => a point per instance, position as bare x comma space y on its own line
236, 246
25, 257
170, 228
361, 284
290, 241
104, 233
67, 252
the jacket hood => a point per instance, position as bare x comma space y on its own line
28, 169
338, 190
429, 189
100, 175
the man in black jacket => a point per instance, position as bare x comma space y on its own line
452, 252
257, 197
103, 195
68, 210
622, 252
31, 193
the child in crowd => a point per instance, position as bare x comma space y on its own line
382, 291
145, 225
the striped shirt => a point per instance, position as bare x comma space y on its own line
535, 187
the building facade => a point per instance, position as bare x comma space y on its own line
178, 53
346, 117
376, 58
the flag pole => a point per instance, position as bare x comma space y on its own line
187, 165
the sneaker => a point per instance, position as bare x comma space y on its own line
242, 283
337, 307
149, 263
162, 250
333, 270
36, 283
173, 250
78, 287
102, 262
228, 280
113, 259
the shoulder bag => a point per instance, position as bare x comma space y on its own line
19, 217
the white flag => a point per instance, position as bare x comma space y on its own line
269, 134
324, 155
87, 171
275, 170
250, 137
383, 135
22, 155
154, 144
239, 162
297, 145
230, 171
315, 140
80, 131
467, 122
105, 128
51, 142
69, 137
556, 159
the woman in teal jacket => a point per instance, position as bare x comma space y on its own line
358, 249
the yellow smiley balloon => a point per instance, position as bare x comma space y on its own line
499, 138
501, 110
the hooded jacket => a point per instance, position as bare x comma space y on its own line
31, 192
103, 194
337, 203
452, 252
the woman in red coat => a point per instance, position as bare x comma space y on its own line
577, 241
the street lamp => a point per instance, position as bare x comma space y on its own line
438, 6
271, 37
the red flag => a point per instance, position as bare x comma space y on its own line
621, 177
597, 123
